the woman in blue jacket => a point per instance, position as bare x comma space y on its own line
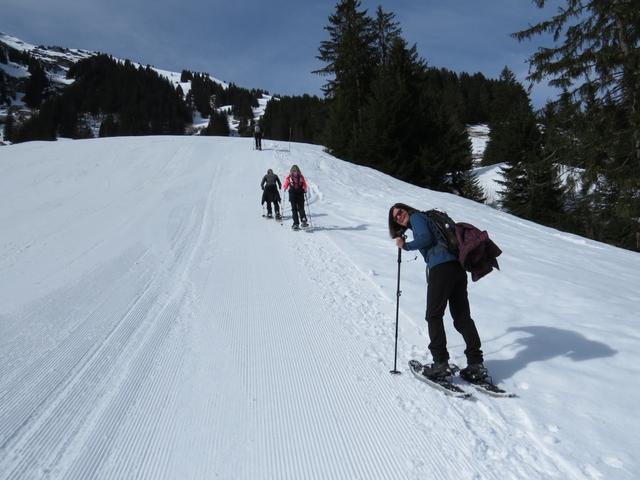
446, 283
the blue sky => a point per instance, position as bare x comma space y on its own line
272, 44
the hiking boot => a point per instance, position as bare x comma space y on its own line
475, 372
295, 227
304, 224
436, 370
278, 216
269, 215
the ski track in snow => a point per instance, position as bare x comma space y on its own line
168, 340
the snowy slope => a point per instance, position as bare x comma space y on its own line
153, 325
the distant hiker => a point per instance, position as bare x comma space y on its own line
270, 185
446, 283
257, 135
297, 186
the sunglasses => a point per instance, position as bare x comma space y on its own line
398, 213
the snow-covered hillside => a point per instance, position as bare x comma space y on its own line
154, 325
58, 60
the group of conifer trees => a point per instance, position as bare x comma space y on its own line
129, 100
574, 165
124, 99
579, 170
209, 98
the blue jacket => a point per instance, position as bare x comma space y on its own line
425, 239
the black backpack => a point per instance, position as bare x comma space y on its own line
445, 229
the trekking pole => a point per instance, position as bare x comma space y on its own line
308, 208
398, 293
282, 204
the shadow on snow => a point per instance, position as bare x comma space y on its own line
544, 343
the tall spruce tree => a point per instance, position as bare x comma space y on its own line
600, 52
393, 126
530, 185
349, 55
386, 30
596, 57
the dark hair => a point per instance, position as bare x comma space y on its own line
395, 229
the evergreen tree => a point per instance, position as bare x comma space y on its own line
386, 31
393, 129
37, 85
600, 53
350, 58
218, 125
108, 127
9, 125
300, 119
596, 59
513, 130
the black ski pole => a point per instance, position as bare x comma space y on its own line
398, 293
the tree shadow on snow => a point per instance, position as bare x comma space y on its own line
544, 343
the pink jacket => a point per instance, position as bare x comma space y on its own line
287, 181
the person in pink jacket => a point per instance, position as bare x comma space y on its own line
297, 186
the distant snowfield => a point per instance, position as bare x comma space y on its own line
153, 325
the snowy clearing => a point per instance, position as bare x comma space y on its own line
153, 325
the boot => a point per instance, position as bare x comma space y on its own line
475, 372
436, 370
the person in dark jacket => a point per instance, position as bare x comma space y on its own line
446, 283
257, 136
297, 185
270, 185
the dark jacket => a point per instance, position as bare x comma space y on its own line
270, 179
425, 240
477, 252
270, 185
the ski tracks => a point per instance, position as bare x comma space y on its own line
465, 442
201, 350
63, 411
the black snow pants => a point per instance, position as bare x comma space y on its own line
297, 207
447, 283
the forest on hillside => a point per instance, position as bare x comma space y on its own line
572, 165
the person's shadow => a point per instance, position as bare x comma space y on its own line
545, 343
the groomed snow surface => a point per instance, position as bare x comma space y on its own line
154, 326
